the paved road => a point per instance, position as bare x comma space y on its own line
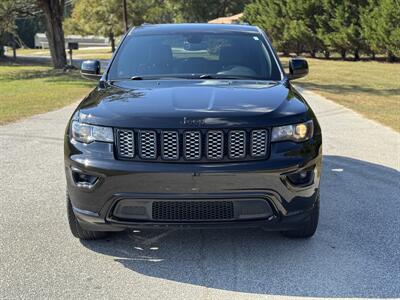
355, 253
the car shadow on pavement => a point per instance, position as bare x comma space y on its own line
355, 252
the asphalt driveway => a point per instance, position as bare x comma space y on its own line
355, 253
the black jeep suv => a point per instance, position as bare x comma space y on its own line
193, 125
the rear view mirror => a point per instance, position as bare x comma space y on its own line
298, 68
90, 69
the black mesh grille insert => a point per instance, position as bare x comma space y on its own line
181, 145
126, 143
192, 210
215, 144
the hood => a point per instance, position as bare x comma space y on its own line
193, 103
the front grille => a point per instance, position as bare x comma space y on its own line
215, 145
259, 142
126, 143
192, 145
147, 144
170, 145
192, 210
237, 142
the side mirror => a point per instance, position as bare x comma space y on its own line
298, 68
90, 69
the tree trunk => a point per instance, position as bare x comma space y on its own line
327, 54
299, 49
14, 47
222, 9
356, 54
343, 54
390, 56
54, 11
112, 40
313, 53
2, 50
125, 15
373, 55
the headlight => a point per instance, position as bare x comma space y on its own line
297, 132
86, 133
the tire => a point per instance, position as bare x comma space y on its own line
77, 230
308, 228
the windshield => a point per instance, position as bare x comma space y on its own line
194, 55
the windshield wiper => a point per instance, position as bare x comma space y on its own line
155, 77
196, 76
222, 76
207, 76
136, 77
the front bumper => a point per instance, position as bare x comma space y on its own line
243, 183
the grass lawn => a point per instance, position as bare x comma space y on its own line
28, 90
83, 53
368, 87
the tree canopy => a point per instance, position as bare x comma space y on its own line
106, 17
205, 10
329, 25
380, 26
96, 17
10, 11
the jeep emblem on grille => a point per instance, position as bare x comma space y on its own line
193, 122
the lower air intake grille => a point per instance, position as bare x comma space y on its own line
192, 210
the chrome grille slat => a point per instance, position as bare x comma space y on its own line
192, 145
237, 144
170, 145
215, 145
259, 142
147, 144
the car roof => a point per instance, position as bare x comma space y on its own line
192, 27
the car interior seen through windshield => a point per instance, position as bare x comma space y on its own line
195, 55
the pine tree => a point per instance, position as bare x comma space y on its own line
302, 25
340, 26
291, 24
380, 27
369, 18
270, 16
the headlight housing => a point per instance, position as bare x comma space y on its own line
297, 132
86, 133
